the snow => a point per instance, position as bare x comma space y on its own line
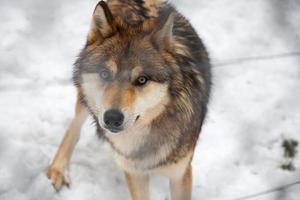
254, 105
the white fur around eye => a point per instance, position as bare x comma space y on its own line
152, 101
91, 86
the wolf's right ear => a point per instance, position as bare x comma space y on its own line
102, 24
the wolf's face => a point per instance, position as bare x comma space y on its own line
123, 74
124, 86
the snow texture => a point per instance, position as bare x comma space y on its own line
254, 104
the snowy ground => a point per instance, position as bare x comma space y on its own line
255, 105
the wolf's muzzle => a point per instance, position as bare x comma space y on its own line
113, 120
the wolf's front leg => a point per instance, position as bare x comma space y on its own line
58, 170
181, 187
138, 185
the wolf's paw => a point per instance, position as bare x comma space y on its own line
58, 178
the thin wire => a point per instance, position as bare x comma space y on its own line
259, 58
268, 191
255, 58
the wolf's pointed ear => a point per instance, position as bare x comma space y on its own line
102, 23
163, 37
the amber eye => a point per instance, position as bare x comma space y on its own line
105, 75
142, 80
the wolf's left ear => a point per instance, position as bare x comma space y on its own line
102, 25
164, 35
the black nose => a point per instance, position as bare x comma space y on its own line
113, 119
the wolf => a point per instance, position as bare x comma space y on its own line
144, 76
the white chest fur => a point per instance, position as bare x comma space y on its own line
134, 151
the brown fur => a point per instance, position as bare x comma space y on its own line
138, 185
163, 118
58, 170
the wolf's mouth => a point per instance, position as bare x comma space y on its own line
114, 130
137, 117
118, 129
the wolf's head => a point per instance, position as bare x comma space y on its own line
124, 71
